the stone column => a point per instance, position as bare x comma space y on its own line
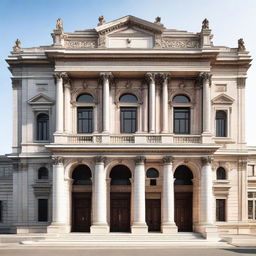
206, 198
59, 199
68, 116
165, 123
206, 192
106, 77
139, 223
152, 102
99, 223
59, 100
205, 78
168, 224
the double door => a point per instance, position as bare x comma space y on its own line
153, 214
81, 221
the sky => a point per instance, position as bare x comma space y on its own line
33, 21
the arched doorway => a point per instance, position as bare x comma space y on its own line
81, 199
120, 199
183, 188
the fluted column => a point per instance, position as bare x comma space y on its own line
139, 205
99, 193
106, 77
205, 78
164, 78
152, 102
168, 224
206, 192
59, 100
68, 116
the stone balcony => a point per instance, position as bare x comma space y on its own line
126, 139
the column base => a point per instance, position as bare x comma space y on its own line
206, 137
139, 229
209, 232
99, 229
58, 228
169, 229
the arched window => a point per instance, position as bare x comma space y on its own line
86, 97
183, 176
221, 173
43, 173
85, 114
181, 99
128, 98
128, 114
120, 175
152, 173
82, 175
42, 127
221, 123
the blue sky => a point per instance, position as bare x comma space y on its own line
33, 21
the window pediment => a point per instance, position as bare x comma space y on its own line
41, 99
223, 99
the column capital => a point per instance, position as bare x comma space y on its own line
100, 159
150, 77
206, 160
58, 75
106, 76
241, 82
57, 160
205, 77
163, 78
140, 160
167, 159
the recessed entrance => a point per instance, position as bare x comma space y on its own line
153, 214
120, 199
183, 187
81, 199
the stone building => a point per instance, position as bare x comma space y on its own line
129, 127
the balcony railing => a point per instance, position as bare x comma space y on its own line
127, 139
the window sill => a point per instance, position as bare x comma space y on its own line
224, 140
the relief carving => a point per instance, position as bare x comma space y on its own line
170, 43
80, 44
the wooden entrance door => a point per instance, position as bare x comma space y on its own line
120, 212
183, 211
153, 214
81, 212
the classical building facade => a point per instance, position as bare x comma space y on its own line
129, 127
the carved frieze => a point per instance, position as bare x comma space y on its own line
80, 44
171, 43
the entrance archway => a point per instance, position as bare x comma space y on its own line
120, 199
81, 199
183, 187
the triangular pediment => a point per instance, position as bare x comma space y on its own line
41, 99
223, 99
132, 23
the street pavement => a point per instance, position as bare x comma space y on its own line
21, 250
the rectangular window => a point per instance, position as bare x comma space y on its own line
128, 119
85, 120
251, 171
220, 210
251, 205
1, 211
182, 120
42, 209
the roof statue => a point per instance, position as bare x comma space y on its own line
17, 46
158, 21
205, 24
241, 46
101, 20
59, 24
